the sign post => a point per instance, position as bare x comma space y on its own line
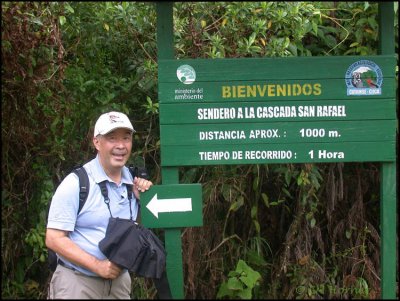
170, 175
388, 176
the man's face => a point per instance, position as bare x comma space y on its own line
114, 148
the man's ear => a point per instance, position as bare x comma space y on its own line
96, 142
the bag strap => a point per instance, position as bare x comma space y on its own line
162, 286
83, 186
136, 172
104, 192
129, 189
140, 172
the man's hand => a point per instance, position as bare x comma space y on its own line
108, 270
140, 185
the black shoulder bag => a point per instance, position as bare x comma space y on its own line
135, 248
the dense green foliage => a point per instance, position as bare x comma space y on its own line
304, 229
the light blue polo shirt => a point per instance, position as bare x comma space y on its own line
89, 227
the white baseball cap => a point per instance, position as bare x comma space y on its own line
111, 121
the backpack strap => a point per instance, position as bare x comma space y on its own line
84, 189
134, 172
140, 172
129, 189
83, 186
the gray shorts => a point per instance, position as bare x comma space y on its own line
70, 284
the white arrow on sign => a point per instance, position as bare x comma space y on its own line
169, 205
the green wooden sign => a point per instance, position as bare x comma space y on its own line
277, 110
279, 132
275, 153
252, 112
323, 109
170, 206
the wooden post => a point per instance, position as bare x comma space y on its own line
173, 244
388, 175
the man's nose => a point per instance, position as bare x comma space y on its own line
120, 143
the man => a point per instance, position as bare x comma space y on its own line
83, 272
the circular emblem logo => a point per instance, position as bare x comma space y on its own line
186, 74
364, 78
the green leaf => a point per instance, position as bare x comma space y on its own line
252, 38
62, 20
236, 205
257, 225
315, 28
265, 199
253, 213
245, 294
234, 284
224, 291
69, 8
251, 279
249, 276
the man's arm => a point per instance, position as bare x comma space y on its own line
59, 242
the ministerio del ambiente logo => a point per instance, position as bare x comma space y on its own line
186, 74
